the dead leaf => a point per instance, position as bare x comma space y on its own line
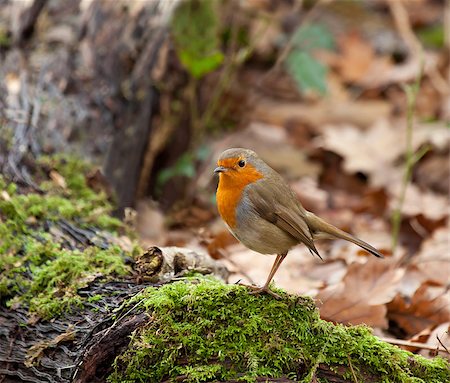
363, 293
361, 113
430, 306
433, 260
4, 194
417, 202
335, 305
356, 58
330, 272
217, 243
368, 152
58, 179
433, 172
383, 73
311, 196
376, 152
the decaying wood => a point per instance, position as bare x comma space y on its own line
163, 264
97, 359
52, 351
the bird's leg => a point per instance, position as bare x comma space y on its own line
265, 288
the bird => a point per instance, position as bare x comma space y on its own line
262, 211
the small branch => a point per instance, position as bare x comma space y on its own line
404, 28
400, 342
442, 344
351, 369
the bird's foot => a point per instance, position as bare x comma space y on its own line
260, 290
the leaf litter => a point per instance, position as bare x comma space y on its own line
359, 128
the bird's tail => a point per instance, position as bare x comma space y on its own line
322, 229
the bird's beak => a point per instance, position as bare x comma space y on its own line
220, 169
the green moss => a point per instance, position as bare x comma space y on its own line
204, 330
37, 268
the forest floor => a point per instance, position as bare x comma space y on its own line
371, 156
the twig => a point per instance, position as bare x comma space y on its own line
404, 28
400, 342
442, 344
351, 369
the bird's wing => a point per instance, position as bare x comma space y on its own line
273, 203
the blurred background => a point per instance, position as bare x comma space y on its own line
349, 100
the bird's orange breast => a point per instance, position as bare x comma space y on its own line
230, 189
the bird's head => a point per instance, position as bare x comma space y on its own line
239, 166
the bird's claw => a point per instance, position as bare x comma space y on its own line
260, 290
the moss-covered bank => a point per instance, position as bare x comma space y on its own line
42, 266
203, 330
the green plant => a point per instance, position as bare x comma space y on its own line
195, 30
36, 269
305, 69
411, 157
199, 40
184, 166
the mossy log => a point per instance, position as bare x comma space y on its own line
199, 329
203, 330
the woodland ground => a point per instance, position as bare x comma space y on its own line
350, 101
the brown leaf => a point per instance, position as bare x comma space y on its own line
363, 293
357, 57
375, 151
364, 151
433, 260
360, 112
219, 242
430, 306
386, 74
58, 179
434, 172
417, 202
311, 196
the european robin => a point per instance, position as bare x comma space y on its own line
262, 211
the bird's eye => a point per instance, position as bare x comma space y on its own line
241, 163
